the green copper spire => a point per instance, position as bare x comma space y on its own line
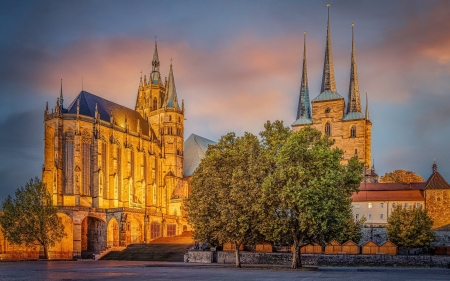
328, 80
171, 97
354, 102
304, 109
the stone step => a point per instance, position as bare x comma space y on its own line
150, 252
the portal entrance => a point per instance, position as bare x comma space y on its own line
113, 233
134, 231
93, 236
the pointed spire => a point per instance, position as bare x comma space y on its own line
155, 76
328, 80
172, 99
367, 107
434, 166
61, 100
354, 101
304, 109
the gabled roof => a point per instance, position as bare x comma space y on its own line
392, 186
328, 95
105, 107
436, 181
194, 151
391, 195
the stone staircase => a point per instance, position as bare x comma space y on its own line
170, 249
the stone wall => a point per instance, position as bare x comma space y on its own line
322, 260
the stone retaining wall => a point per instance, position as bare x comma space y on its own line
322, 260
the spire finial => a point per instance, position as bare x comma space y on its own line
328, 80
354, 100
304, 109
434, 166
61, 100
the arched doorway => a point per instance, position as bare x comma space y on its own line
93, 236
134, 230
113, 233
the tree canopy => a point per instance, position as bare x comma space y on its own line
410, 227
307, 197
401, 176
31, 218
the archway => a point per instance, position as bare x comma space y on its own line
64, 248
134, 231
93, 236
112, 233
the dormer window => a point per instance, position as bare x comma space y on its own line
353, 132
327, 110
328, 129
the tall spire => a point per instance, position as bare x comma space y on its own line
354, 102
367, 107
155, 77
61, 100
304, 109
171, 97
328, 81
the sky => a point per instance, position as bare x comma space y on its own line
236, 64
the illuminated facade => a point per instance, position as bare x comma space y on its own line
328, 113
116, 174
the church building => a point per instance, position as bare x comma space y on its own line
328, 112
115, 173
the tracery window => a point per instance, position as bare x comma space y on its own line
86, 164
328, 129
68, 163
155, 104
353, 132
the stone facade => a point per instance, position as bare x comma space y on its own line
116, 174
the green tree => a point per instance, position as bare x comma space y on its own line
410, 227
401, 176
352, 230
225, 187
31, 218
307, 197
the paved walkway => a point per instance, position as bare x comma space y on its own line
135, 271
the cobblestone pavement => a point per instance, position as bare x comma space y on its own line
135, 271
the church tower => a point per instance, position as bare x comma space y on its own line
350, 129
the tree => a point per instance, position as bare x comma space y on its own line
31, 218
401, 176
352, 230
225, 187
307, 197
410, 227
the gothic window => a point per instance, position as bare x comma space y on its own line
328, 129
171, 229
169, 130
118, 191
353, 132
155, 230
327, 110
155, 104
179, 120
170, 117
68, 163
104, 153
86, 163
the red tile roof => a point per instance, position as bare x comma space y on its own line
388, 195
392, 186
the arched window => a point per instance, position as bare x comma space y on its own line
155, 104
327, 110
170, 117
353, 132
356, 151
328, 128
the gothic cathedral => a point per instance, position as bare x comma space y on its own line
349, 127
116, 174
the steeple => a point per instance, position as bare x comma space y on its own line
61, 100
328, 80
354, 102
155, 77
304, 109
367, 107
171, 97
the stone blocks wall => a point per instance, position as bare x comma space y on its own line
198, 257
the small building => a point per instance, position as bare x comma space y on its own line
264, 247
350, 248
388, 248
231, 247
311, 249
370, 248
333, 248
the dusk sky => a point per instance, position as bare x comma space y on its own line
236, 64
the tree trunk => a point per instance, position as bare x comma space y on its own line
296, 257
238, 258
45, 252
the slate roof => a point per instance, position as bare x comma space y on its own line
194, 151
436, 181
105, 107
328, 95
302, 121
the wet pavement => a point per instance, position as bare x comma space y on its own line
135, 271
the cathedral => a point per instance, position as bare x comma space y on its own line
116, 174
328, 113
